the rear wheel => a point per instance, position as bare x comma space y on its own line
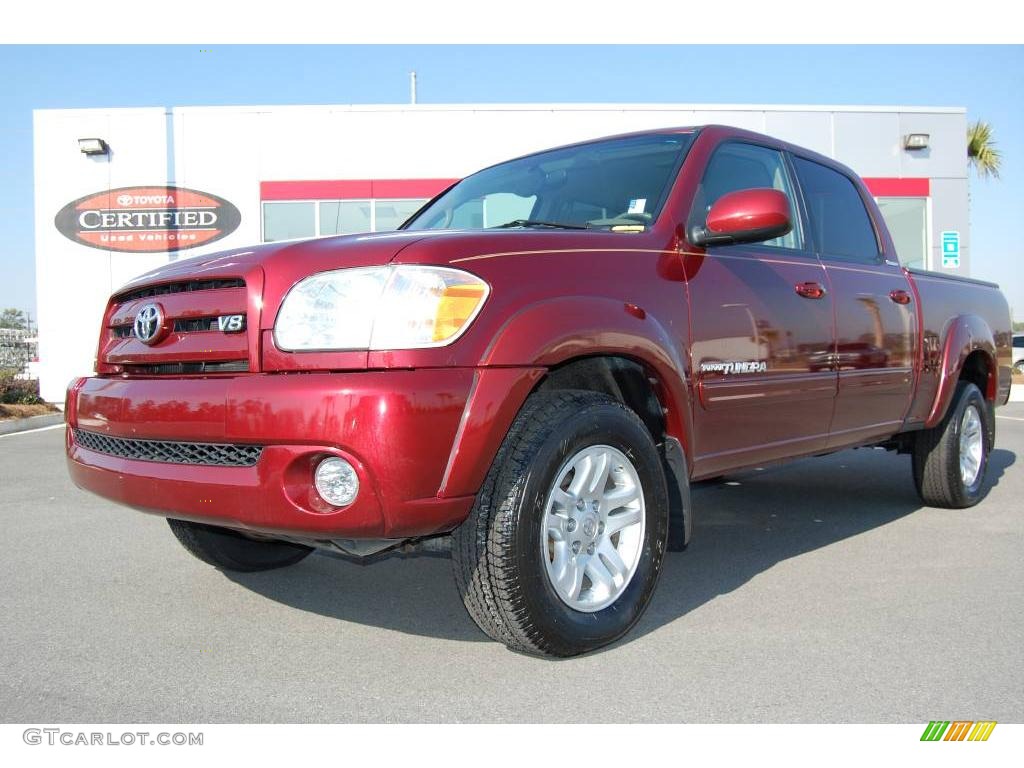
564, 545
231, 551
951, 458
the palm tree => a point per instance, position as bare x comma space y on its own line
981, 150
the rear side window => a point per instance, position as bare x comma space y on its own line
840, 222
1018, 342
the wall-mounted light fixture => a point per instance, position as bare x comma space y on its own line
915, 141
93, 147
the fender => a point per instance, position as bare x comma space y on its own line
964, 334
543, 335
558, 329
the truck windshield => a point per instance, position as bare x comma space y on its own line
618, 184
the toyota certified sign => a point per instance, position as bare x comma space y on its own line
147, 219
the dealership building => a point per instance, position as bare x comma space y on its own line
121, 191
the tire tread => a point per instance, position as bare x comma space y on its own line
207, 543
936, 455
483, 550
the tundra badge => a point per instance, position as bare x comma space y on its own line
752, 366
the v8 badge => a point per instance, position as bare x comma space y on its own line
231, 323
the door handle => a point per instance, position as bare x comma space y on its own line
900, 296
810, 290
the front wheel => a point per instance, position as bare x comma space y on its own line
231, 551
951, 458
564, 545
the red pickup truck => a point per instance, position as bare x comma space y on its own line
538, 364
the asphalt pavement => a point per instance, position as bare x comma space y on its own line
819, 591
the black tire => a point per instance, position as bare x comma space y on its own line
936, 456
1018, 367
499, 567
231, 551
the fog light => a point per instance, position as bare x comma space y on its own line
336, 481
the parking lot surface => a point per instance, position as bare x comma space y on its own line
815, 591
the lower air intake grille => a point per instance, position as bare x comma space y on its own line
180, 369
169, 451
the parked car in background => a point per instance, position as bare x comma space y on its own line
1018, 353
538, 365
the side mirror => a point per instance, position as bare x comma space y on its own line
745, 216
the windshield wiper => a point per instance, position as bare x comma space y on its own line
536, 223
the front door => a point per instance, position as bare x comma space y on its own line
761, 325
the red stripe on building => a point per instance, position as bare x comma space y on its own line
363, 189
898, 187
352, 189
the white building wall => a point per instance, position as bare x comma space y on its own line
72, 280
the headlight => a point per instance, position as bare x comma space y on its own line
396, 307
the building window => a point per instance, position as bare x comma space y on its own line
907, 221
391, 214
343, 217
285, 221
311, 218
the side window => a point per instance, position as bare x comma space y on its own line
735, 166
841, 226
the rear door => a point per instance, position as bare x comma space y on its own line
876, 321
761, 329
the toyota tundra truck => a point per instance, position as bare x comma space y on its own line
536, 367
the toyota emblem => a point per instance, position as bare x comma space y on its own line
149, 324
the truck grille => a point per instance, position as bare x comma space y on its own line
191, 325
182, 286
195, 343
169, 451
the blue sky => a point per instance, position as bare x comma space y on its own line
987, 80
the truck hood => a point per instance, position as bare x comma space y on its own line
290, 261
305, 256
270, 270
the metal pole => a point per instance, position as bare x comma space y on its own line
412, 87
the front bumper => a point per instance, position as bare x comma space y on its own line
397, 428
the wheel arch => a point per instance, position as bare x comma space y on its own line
588, 343
564, 331
636, 386
969, 353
